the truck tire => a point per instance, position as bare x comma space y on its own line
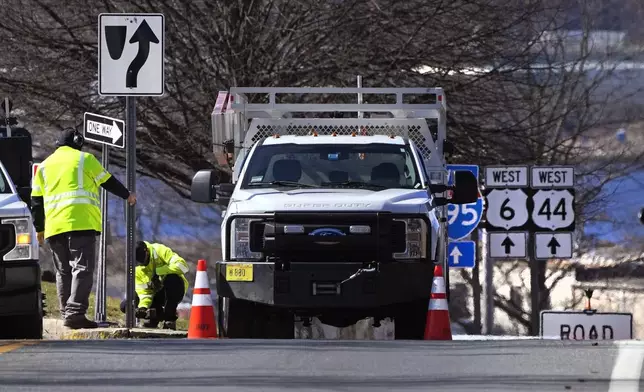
410, 319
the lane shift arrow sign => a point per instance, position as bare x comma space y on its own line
553, 245
508, 244
143, 35
456, 254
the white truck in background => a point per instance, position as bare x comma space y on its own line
21, 297
335, 210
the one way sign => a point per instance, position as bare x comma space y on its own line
104, 130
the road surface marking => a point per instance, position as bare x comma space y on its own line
628, 367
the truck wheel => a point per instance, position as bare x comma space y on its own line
410, 319
236, 318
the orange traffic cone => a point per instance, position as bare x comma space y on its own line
202, 313
438, 325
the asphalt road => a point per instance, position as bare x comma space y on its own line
316, 365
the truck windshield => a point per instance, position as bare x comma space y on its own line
374, 166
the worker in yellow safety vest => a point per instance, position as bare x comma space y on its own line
160, 284
66, 213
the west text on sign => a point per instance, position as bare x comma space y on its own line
552, 177
506, 177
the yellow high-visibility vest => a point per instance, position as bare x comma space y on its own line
68, 181
163, 262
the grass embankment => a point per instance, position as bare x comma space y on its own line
114, 314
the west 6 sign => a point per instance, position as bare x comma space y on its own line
464, 218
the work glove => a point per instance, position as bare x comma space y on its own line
145, 313
156, 283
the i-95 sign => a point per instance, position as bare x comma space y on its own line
462, 219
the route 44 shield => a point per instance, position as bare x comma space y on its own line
554, 209
463, 219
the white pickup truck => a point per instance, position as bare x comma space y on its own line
21, 306
335, 218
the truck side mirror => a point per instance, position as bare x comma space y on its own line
202, 189
640, 215
466, 189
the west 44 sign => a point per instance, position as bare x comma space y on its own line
463, 219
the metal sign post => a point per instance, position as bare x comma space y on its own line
106, 131
100, 307
126, 44
130, 212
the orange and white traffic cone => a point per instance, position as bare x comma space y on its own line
202, 312
438, 325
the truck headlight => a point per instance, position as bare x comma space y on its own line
415, 239
22, 249
240, 240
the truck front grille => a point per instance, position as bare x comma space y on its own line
328, 238
7, 239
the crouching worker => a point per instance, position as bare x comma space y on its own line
160, 284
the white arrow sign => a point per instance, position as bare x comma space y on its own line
104, 130
110, 131
456, 254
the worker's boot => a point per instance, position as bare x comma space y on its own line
149, 323
79, 322
170, 325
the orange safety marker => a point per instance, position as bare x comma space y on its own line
202, 312
438, 325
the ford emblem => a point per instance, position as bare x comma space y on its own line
327, 232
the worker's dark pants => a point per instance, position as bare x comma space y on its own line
166, 300
74, 259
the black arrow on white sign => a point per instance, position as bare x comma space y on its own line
508, 244
553, 245
143, 35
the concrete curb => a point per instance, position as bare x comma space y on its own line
55, 330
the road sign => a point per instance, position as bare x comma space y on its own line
507, 245
580, 325
462, 254
553, 245
506, 176
463, 219
104, 130
131, 51
553, 177
507, 208
554, 209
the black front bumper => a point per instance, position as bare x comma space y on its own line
20, 283
307, 285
